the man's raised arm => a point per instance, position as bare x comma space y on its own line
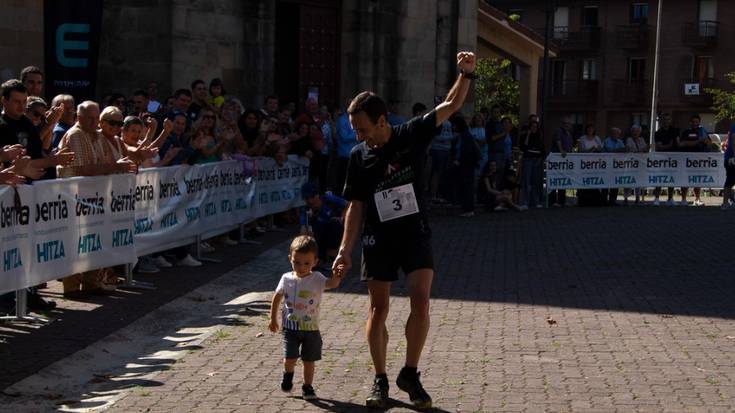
458, 93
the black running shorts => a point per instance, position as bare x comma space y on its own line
382, 257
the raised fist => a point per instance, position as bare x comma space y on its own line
466, 61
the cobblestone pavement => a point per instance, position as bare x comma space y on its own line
566, 310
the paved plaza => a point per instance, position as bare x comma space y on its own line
562, 310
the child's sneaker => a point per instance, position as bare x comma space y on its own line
307, 392
287, 382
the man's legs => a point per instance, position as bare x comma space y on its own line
377, 333
417, 326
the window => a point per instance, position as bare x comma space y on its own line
589, 16
639, 13
636, 70
708, 18
702, 68
589, 69
640, 118
561, 23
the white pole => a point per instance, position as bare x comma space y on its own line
654, 97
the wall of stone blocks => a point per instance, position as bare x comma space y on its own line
21, 36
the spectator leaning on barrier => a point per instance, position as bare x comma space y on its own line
727, 193
18, 129
665, 141
693, 139
177, 140
635, 143
68, 117
204, 139
94, 156
613, 144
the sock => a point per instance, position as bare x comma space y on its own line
409, 371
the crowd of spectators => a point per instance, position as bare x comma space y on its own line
194, 125
482, 158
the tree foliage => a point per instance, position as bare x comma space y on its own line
495, 86
723, 101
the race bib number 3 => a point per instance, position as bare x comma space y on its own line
396, 202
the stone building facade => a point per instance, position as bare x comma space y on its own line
403, 50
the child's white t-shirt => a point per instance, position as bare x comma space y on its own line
301, 300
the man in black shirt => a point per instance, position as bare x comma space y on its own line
384, 190
16, 128
665, 139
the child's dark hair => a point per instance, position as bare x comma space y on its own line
304, 244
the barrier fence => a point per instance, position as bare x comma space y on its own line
52, 229
634, 170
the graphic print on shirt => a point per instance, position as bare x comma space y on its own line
395, 196
302, 299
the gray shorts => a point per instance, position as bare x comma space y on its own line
309, 343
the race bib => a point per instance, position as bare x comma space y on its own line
396, 202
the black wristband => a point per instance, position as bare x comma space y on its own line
466, 75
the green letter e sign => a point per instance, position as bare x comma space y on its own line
62, 45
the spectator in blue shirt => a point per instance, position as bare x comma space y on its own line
394, 118
68, 117
345, 141
613, 143
322, 217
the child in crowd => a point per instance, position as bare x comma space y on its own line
302, 290
216, 93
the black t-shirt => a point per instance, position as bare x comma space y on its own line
193, 111
666, 137
22, 131
691, 135
399, 162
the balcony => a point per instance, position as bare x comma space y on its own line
585, 39
630, 92
632, 36
573, 91
692, 91
700, 34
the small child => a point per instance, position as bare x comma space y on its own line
302, 289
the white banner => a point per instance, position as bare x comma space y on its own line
55, 228
635, 170
177, 203
279, 186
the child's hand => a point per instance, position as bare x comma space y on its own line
273, 326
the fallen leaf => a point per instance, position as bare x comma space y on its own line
211, 374
550, 320
259, 335
730, 337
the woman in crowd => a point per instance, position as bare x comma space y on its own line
635, 143
532, 147
250, 128
589, 142
497, 199
209, 148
